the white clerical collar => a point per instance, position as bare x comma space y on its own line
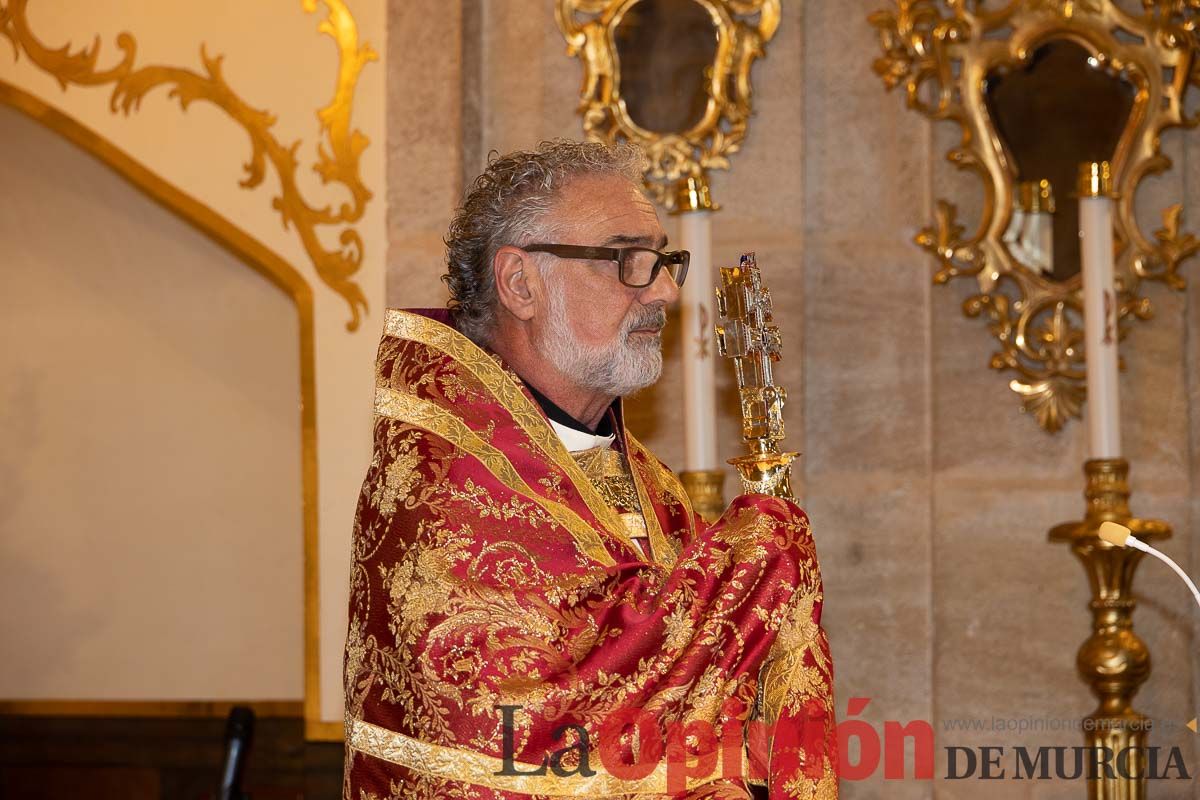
575, 440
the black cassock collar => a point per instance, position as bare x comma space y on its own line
605, 428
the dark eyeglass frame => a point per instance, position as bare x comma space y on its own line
680, 258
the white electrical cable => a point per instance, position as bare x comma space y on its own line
1116, 534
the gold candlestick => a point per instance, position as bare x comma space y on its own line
1113, 660
747, 336
703, 487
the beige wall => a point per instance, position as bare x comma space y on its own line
930, 492
150, 490
275, 58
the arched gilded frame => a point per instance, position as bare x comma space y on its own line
742, 28
942, 53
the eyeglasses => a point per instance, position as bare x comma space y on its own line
638, 266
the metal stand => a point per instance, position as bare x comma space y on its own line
1113, 660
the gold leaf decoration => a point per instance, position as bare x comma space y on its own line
1042, 344
944, 240
1174, 247
914, 40
1051, 401
1066, 8
338, 151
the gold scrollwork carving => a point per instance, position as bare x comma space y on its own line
742, 27
338, 152
941, 53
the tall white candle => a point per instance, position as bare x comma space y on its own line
699, 378
1099, 310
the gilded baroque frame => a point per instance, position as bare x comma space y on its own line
941, 51
743, 28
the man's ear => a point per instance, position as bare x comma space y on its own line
515, 271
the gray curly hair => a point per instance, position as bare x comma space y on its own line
507, 205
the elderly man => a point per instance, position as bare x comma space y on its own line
535, 609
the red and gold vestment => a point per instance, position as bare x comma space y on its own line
508, 639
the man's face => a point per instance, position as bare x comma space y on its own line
603, 334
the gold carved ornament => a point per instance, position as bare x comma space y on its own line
678, 161
941, 54
337, 154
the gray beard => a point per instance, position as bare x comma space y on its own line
619, 368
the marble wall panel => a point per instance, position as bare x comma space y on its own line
872, 535
1153, 385
865, 160
531, 88
867, 393
424, 147
1191, 171
866, 388
1154, 399
1009, 614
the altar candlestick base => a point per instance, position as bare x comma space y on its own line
1113, 660
704, 488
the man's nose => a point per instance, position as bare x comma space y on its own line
663, 289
